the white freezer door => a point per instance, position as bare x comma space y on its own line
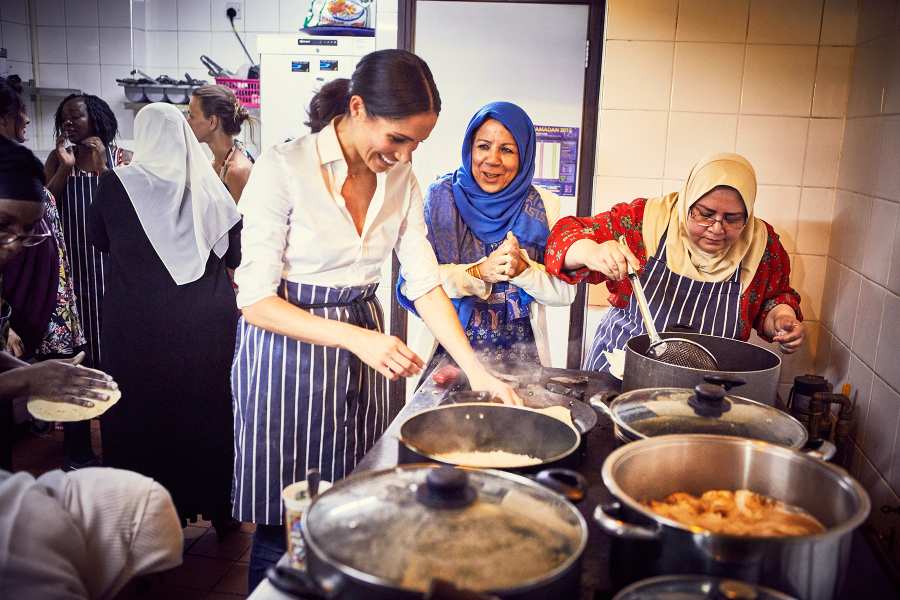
286, 89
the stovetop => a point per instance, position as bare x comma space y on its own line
574, 383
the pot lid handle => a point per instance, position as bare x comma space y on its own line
446, 488
726, 381
709, 400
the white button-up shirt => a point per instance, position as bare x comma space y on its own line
297, 226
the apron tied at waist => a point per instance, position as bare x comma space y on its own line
358, 307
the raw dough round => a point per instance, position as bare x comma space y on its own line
65, 412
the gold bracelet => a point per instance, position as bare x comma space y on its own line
474, 271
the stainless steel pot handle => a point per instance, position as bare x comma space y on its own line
597, 402
296, 584
619, 528
572, 485
825, 451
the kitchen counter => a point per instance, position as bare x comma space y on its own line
867, 578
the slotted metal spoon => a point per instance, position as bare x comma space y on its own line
674, 351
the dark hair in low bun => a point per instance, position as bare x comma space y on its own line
18, 164
330, 101
11, 104
220, 101
393, 84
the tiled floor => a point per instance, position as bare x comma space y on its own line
212, 570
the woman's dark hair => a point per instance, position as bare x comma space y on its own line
11, 104
100, 115
17, 163
220, 101
392, 83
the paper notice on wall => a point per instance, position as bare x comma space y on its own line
556, 158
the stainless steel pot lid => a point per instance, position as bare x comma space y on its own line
690, 587
707, 408
480, 530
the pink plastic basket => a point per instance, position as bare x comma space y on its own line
246, 90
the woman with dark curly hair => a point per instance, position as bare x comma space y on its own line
85, 129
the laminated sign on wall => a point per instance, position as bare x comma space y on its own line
556, 158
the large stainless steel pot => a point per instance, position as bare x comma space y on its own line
382, 535
808, 567
758, 367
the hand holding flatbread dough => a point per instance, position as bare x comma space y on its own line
63, 390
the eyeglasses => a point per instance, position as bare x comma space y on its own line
38, 234
731, 221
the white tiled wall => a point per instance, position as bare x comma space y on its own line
15, 36
809, 91
88, 44
84, 44
765, 78
179, 31
860, 337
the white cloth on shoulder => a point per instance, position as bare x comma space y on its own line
83, 534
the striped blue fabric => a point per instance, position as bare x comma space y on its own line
710, 307
299, 406
85, 261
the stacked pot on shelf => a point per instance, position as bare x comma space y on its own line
141, 87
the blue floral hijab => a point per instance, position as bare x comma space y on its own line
465, 223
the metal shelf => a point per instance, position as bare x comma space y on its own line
47, 92
136, 106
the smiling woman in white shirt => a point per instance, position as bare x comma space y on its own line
321, 215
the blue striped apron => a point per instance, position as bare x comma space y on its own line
85, 261
710, 307
299, 406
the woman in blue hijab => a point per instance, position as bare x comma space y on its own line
488, 225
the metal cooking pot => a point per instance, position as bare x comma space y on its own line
387, 534
707, 408
758, 367
808, 567
486, 427
697, 587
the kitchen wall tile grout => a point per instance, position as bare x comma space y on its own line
887, 484
850, 350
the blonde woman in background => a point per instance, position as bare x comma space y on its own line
215, 116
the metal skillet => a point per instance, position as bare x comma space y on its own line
535, 396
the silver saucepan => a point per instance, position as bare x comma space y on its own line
389, 535
758, 367
809, 567
705, 409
